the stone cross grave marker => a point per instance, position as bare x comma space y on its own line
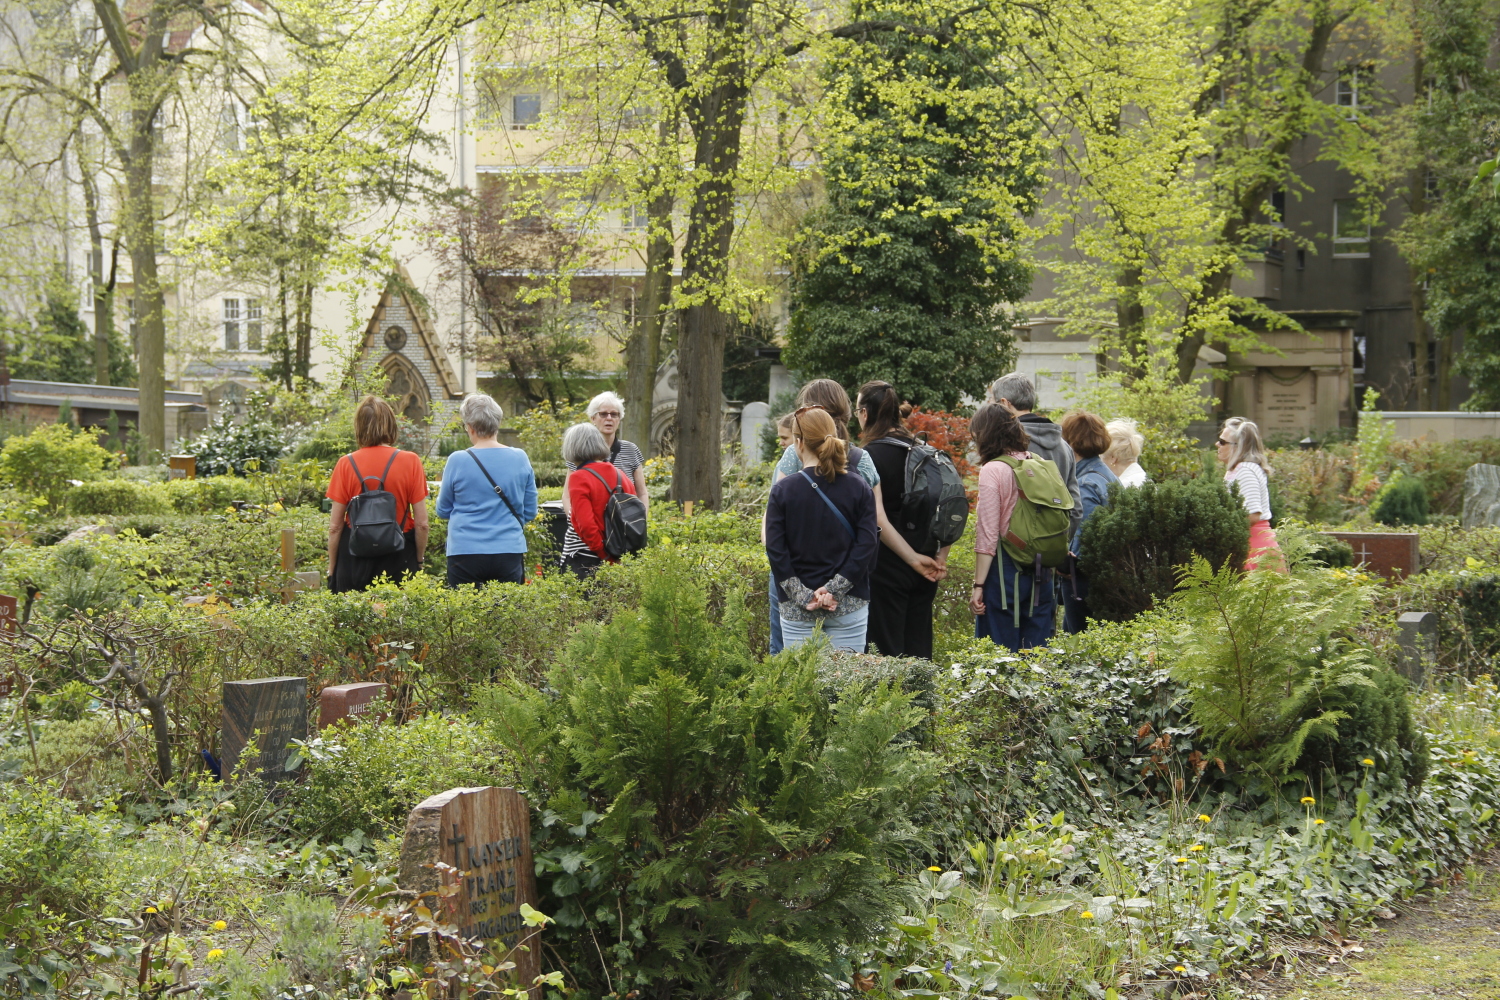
1419, 643
350, 701
277, 707
1481, 495
486, 834
1392, 554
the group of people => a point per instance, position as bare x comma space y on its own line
487, 495
843, 556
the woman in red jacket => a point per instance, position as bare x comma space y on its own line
589, 488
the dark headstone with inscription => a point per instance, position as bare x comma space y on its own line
349, 701
8, 623
485, 833
274, 706
1391, 554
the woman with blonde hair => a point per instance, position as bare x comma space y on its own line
1125, 444
376, 467
1238, 446
821, 538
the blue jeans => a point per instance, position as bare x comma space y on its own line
776, 643
1002, 622
844, 632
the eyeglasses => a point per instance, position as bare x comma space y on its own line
608, 414
1221, 443
803, 409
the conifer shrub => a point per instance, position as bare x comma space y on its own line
1132, 547
117, 496
1403, 501
709, 824
1277, 681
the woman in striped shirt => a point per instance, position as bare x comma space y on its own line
1239, 448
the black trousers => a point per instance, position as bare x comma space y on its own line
489, 567
353, 572
900, 608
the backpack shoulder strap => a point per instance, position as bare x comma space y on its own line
824, 497
619, 480
898, 442
389, 462
350, 458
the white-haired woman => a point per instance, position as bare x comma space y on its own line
1239, 448
1125, 444
488, 494
589, 485
605, 412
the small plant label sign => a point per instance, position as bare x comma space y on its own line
482, 838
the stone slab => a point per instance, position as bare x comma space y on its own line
350, 701
1481, 495
1418, 640
277, 707
485, 834
1391, 554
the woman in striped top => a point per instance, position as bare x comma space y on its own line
605, 411
1239, 448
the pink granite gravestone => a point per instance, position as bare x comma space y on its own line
350, 701
1392, 554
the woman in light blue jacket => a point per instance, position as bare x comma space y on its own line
1087, 435
488, 495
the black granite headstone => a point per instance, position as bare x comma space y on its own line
274, 706
1419, 644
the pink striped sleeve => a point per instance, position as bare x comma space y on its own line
997, 499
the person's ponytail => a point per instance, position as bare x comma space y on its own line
818, 434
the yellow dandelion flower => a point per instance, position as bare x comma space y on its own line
1179, 968
151, 909
1308, 800
220, 925
1368, 762
1180, 861
1196, 847
1087, 914
934, 868
1205, 818
1318, 822
214, 954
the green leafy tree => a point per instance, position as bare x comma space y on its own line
42, 462
897, 277
60, 347
1132, 547
712, 825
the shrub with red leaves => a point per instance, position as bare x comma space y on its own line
946, 431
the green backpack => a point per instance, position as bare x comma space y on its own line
1039, 525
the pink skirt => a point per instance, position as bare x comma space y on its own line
1263, 549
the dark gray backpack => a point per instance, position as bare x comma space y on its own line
934, 504
374, 522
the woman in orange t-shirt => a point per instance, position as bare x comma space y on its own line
377, 456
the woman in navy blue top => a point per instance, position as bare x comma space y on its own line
821, 539
1089, 438
486, 525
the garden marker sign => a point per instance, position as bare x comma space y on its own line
484, 833
276, 707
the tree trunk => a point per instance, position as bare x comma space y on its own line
1130, 317
1420, 397
150, 303
103, 293
304, 329
643, 349
162, 736
716, 119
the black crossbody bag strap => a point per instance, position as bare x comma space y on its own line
498, 491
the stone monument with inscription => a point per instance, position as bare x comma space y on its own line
1391, 554
485, 835
1418, 641
350, 701
1481, 495
1296, 383
276, 708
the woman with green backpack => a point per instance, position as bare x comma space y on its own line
1021, 534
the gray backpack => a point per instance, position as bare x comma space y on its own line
934, 503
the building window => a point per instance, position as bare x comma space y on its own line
1359, 353
1354, 89
1351, 229
252, 325
637, 218
1430, 189
231, 324
1411, 348
525, 110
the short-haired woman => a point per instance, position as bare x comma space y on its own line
821, 539
1013, 608
488, 496
1123, 456
1239, 448
606, 411
1086, 434
374, 465
830, 397
588, 488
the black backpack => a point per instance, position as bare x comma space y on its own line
624, 518
374, 524
934, 504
